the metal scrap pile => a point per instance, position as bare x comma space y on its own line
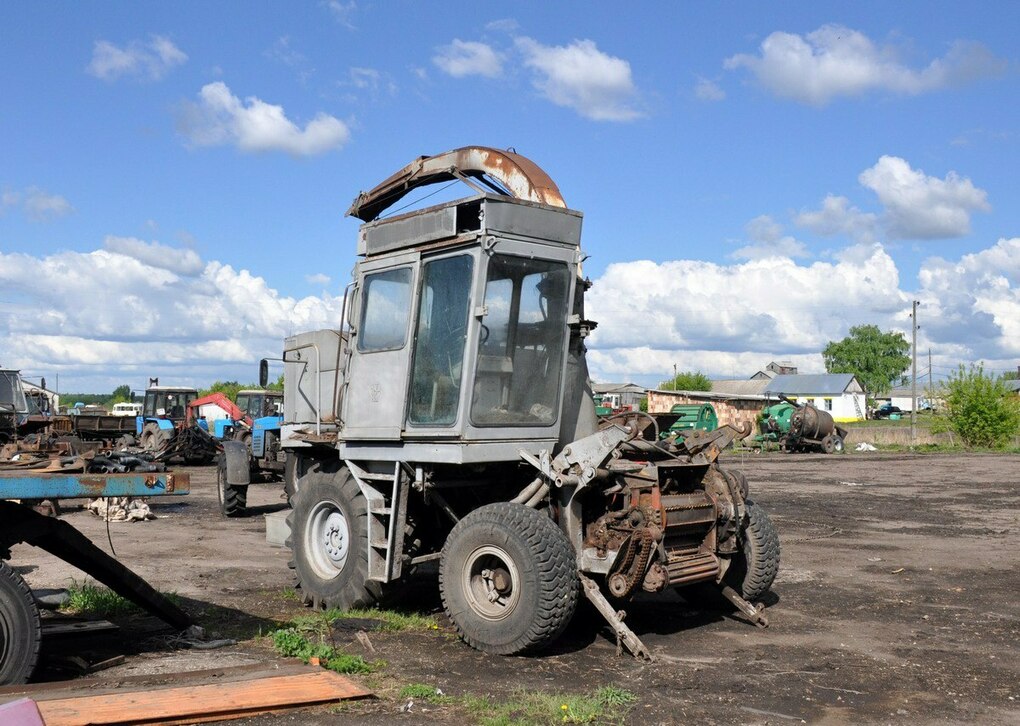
193, 444
42, 456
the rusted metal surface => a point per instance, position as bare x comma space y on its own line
518, 175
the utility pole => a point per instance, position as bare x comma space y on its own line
913, 379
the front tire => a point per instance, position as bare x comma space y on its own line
329, 542
753, 571
19, 628
508, 579
233, 497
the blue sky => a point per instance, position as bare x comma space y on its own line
754, 179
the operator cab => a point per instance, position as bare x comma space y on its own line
258, 403
167, 402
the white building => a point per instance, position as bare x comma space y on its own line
841, 394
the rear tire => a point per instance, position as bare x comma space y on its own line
233, 497
508, 579
329, 542
19, 628
828, 446
753, 570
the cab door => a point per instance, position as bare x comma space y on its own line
375, 395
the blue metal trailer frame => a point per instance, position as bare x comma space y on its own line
20, 523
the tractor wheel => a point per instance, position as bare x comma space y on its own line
508, 579
828, 446
19, 628
150, 435
233, 497
329, 542
837, 444
752, 571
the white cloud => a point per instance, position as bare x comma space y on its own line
838, 61
768, 240
177, 260
503, 25
42, 207
368, 81
151, 60
254, 125
8, 200
919, 206
468, 58
707, 90
342, 12
838, 217
318, 279
137, 309
580, 76
975, 302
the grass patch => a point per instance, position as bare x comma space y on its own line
310, 636
86, 598
391, 620
289, 593
608, 704
422, 692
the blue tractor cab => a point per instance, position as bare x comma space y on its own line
164, 409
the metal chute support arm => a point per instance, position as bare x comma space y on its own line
518, 175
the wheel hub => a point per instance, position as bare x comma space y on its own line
327, 539
491, 583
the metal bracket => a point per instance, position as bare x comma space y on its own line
625, 637
755, 614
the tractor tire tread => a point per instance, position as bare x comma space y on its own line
554, 562
763, 562
23, 651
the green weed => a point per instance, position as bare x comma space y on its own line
422, 692
86, 598
605, 705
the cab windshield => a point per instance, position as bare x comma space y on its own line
172, 404
12, 395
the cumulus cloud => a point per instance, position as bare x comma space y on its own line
177, 260
692, 312
919, 206
838, 217
136, 309
838, 61
579, 76
253, 125
468, 58
151, 59
975, 302
768, 240
706, 90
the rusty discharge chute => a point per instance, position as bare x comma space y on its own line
518, 175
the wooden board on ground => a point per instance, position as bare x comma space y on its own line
183, 704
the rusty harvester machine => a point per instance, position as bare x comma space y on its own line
450, 419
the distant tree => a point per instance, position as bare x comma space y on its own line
979, 408
876, 358
227, 388
687, 381
1010, 375
278, 386
121, 394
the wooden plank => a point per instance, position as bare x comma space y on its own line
194, 704
98, 686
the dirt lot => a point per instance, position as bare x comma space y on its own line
896, 602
